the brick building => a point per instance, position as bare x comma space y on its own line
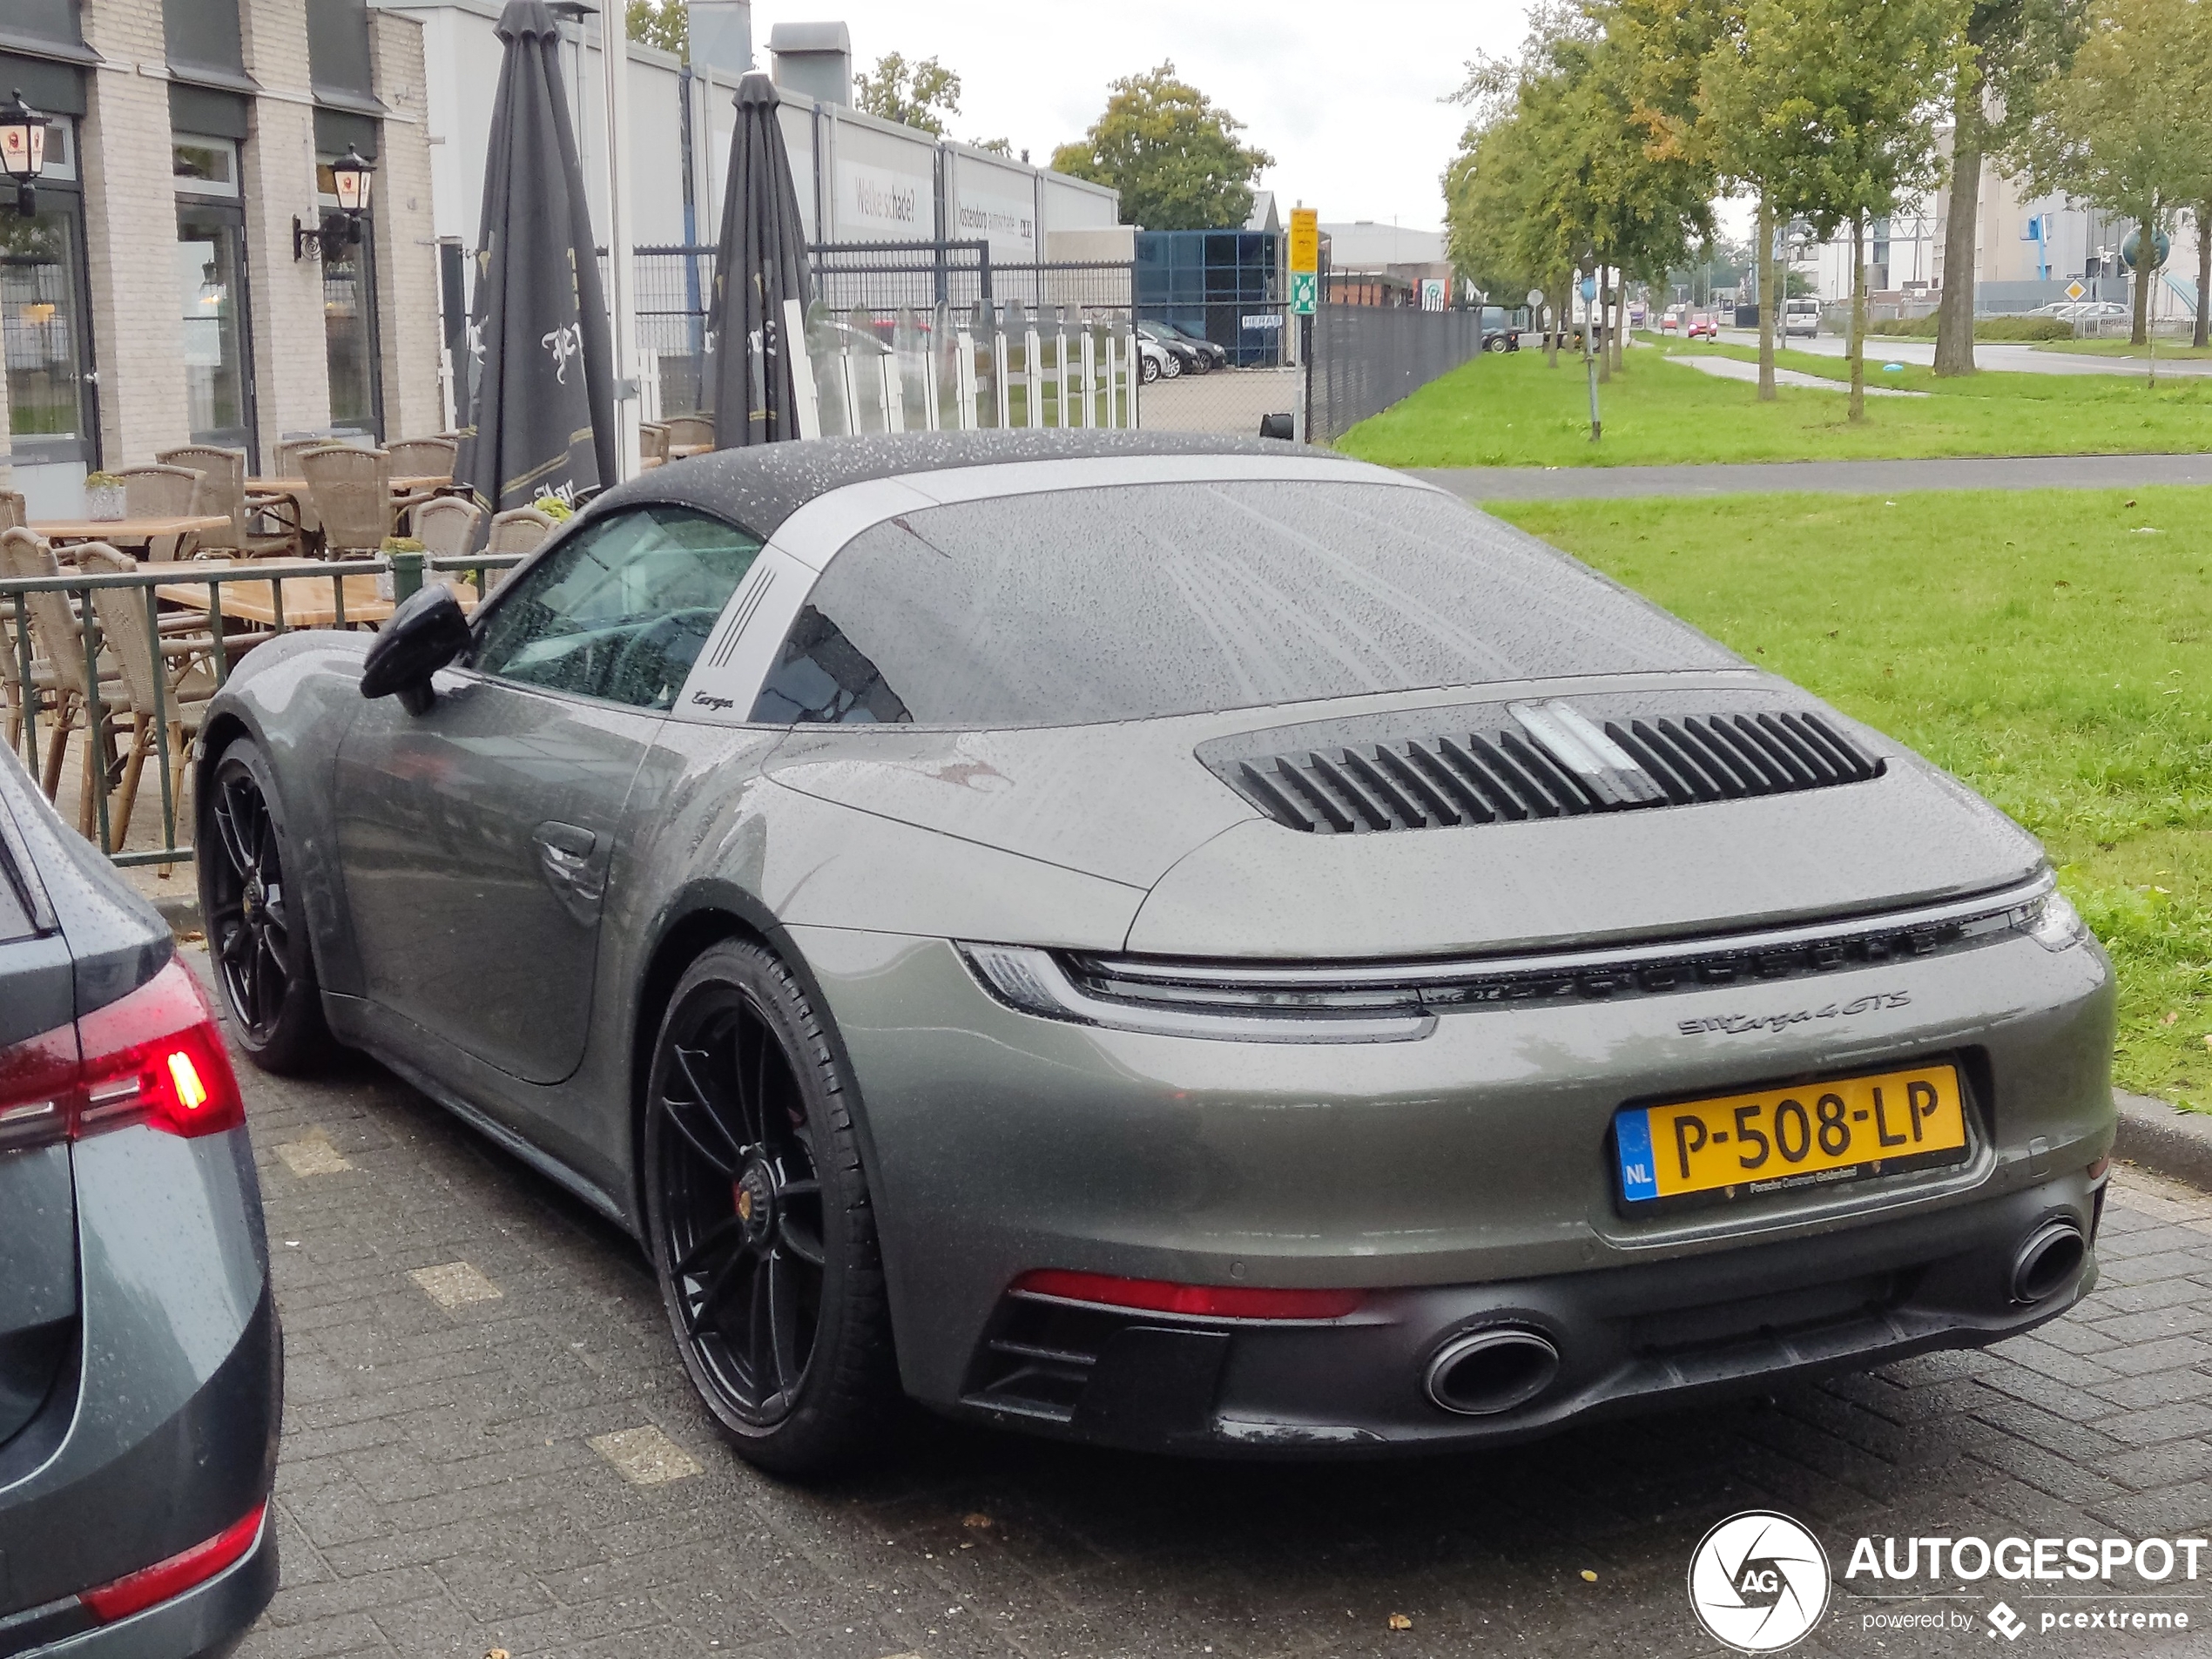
159, 295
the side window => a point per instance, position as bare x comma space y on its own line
619, 611
820, 676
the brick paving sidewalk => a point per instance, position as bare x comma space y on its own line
489, 1444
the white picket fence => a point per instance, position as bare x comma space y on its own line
962, 369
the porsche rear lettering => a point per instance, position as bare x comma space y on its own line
1737, 1024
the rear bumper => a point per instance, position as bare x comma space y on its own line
1652, 1336
1460, 1178
206, 1621
164, 1432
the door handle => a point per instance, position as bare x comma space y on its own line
564, 859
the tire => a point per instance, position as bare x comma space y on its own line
1495, 342
257, 931
1150, 371
1171, 366
758, 1220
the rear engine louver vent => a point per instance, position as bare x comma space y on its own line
1549, 764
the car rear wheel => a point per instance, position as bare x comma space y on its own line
758, 1212
256, 932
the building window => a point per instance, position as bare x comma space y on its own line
51, 413
349, 318
211, 292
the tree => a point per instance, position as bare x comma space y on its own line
665, 24
2126, 126
1171, 152
1831, 105
2015, 48
915, 95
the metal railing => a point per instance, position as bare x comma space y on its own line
108, 696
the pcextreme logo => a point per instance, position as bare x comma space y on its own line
1758, 1581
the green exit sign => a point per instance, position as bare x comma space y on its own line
1302, 284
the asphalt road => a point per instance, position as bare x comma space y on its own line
1988, 353
1842, 478
490, 1445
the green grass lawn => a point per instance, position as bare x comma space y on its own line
1509, 409
2053, 648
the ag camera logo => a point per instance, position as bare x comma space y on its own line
1758, 1581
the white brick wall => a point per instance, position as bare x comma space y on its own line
407, 266
291, 361
130, 233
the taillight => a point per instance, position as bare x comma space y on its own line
38, 1089
141, 1590
1211, 1301
155, 1056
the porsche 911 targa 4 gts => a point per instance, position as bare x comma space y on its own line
1193, 946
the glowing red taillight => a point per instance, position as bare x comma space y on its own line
154, 1056
1212, 1301
140, 1590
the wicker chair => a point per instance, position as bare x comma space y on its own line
152, 699
57, 664
519, 529
446, 525
13, 515
222, 489
423, 458
652, 442
351, 493
687, 430
289, 455
159, 491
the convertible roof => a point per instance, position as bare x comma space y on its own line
761, 486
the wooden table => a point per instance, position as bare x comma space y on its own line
412, 485
133, 531
308, 600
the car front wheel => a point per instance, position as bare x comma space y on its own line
758, 1212
1171, 366
257, 933
1150, 372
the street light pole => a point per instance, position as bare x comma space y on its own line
1589, 361
614, 62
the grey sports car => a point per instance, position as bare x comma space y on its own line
1194, 946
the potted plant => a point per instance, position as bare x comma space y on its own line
392, 544
104, 496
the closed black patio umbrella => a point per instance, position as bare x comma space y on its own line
760, 284
540, 387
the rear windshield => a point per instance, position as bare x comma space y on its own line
1128, 602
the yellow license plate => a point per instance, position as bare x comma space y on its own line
1743, 1146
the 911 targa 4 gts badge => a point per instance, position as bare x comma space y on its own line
1738, 1024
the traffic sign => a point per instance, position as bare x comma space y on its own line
1306, 240
1589, 288
2074, 291
1302, 285
1535, 299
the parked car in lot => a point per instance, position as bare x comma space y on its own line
139, 1363
1154, 362
1702, 326
1171, 943
1181, 351
1211, 354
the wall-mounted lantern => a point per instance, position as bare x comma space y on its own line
23, 149
351, 176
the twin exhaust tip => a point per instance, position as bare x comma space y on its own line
1491, 1371
2047, 1261
1503, 1366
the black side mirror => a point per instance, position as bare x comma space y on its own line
425, 632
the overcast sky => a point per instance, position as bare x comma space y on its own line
1343, 96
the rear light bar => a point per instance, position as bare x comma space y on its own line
1208, 1301
137, 1591
155, 1056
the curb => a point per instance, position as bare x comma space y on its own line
2164, 1139
180, 911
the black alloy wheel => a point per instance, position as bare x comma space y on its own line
761, 1233
256, 933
